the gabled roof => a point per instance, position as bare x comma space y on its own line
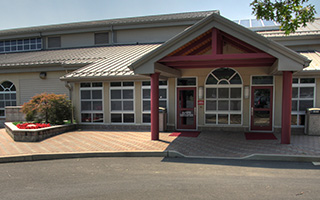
288, 60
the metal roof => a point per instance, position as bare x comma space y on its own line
311, 29
104, 23
112, 61
315, 57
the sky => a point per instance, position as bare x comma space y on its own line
26, 13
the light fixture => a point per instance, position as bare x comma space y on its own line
43, 75
200, 92
246, 92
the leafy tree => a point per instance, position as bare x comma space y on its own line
291, 14
51, 108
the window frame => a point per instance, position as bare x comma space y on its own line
4, 92
228, 112
91, 88
146, 99
297, 112
122, 112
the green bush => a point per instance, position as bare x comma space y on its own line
50, 108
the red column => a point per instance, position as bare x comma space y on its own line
155, 106
286, 107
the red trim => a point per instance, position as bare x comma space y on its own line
286, 107
270, 109
179, 109
155, 106
214, 41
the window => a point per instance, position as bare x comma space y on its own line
223, 97
262, 80
7, 96
54, 42
146, 99
303, 97
186, 81
101, 38
29, 44
122, 102
91, 102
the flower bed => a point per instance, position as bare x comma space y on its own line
32, 125
35, 135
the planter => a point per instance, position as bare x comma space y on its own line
36, 135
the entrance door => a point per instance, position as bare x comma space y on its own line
261, 108
186, 108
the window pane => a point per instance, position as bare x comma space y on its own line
97, 105
1, 104
223, 93
86, 105
128, 105
294, 105
235, 119
306, 92
127, 94
1, 96
85, 94
211, 80
187, 81
98, 84
224, 73
162, 93
211, 93
13, 96
235, 93
236, 80
307, 80
146, 118
163, 83
146, 93
7, 96
96, 94
125, 84
223, 105
146, 83
163, 103
115, 94
85, 117
304, 104
85, 85
146, 106
116, 105
128, 118
116, 118
294, 120
13, 103
294, 92
294, 80
301, 120
261, 80
235, 105
210, 119
97, 117
211, 105
2, 113
222, 119
115, 84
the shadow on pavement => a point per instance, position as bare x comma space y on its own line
244, 163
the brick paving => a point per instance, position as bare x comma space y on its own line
211, 144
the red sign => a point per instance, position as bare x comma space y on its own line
200, 102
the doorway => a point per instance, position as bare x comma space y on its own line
186, 108
261, 108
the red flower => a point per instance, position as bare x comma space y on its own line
32, 125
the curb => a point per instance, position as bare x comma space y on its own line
168, 154
39, 157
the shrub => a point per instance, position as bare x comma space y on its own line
51, 108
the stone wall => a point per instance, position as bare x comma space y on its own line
14, 114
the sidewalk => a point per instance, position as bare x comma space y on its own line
207, 144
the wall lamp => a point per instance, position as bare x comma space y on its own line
246, 91
43, 75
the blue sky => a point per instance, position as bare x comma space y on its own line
25, 13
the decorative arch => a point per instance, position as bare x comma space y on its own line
223, 96
8, 96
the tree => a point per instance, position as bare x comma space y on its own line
51, 108
290, 14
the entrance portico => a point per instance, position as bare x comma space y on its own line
216, 42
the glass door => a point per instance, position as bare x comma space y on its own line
186, 108
261, 108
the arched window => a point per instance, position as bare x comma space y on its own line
7, 96
223, 97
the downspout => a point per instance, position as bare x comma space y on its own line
70, 88
112, 35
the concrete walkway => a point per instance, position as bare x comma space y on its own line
207, 144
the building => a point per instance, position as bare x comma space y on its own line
210, 73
